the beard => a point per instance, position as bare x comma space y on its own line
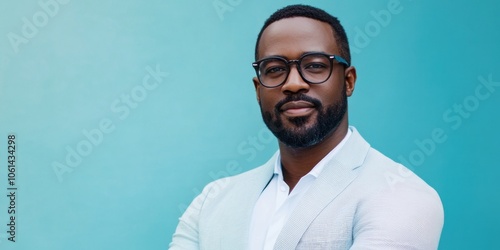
298, 135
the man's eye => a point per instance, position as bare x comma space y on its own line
275, 70
315, 66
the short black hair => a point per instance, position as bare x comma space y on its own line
300, 10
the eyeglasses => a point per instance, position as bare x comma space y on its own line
313, 67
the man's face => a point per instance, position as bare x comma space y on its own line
299, 114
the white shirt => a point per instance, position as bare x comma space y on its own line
275, 204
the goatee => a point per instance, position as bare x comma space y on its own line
300, 136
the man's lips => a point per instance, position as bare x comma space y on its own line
297, 108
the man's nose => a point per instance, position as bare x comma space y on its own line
294, 82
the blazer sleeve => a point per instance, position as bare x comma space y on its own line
406, 217
186, 236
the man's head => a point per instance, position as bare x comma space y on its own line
310, 105
313, 13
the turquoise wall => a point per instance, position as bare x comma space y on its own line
123, 110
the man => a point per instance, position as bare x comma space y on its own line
325, 188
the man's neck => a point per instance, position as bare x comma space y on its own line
297, 162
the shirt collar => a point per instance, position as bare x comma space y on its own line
316, 170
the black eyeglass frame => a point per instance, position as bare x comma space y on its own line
337, 58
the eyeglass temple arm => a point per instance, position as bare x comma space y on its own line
341, 60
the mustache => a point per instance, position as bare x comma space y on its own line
298, 97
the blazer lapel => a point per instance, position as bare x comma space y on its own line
335, 177
238, 215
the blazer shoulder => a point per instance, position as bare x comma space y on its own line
395, 175
263, 171
398, 204
232, 188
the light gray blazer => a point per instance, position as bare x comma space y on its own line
361, 200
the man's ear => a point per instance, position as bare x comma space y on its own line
257, 86
350, 80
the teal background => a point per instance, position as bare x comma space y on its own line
202, 121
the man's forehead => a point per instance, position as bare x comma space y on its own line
297, 35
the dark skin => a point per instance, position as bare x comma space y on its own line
291, 38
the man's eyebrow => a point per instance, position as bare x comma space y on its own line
304, 53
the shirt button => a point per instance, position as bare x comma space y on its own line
283, 189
